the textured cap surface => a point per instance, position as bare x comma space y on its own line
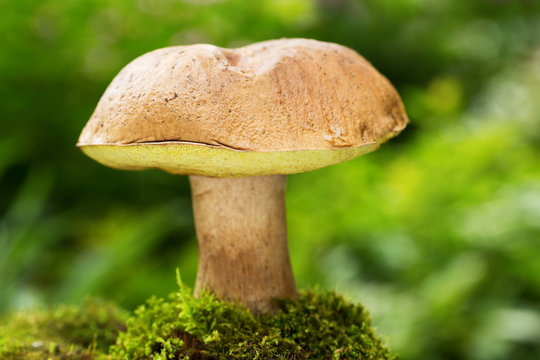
273, 96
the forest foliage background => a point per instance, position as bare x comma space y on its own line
437, 233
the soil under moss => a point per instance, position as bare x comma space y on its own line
317, 326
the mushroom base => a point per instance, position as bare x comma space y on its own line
242, 234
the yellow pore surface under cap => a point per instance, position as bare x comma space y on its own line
194, 159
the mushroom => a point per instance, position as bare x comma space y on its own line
237, 121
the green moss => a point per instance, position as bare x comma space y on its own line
68, 332
317, 326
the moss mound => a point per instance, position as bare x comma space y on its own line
68, 332
317, 326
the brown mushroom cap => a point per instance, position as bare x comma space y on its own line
280, 106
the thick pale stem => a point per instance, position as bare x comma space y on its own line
242, 235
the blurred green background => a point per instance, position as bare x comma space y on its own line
437, 233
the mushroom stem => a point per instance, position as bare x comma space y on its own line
242, 234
